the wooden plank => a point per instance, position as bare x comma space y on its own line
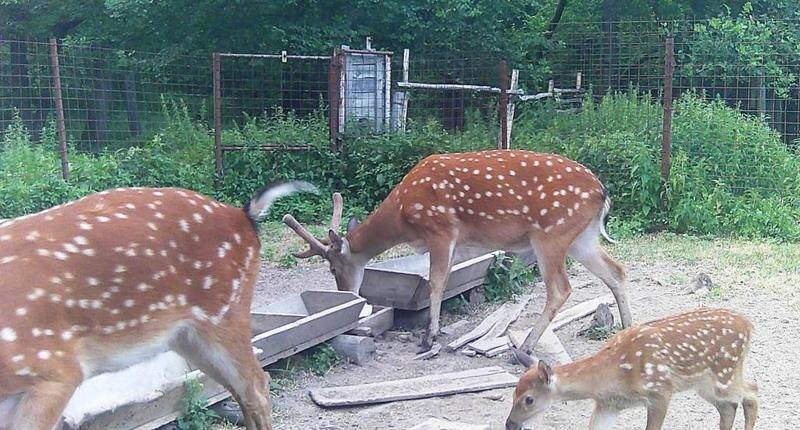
468, 381
480, 330
565, 317
489, 340
439, 424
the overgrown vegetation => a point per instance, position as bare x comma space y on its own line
731, 174
195, 412
506, 278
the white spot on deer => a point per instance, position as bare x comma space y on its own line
143, 287
8, 334
5, 238
197, 218
80, 240
542, 196
543, 211
8, 259
184, 225
584, 195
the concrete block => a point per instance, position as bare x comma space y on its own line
357, 349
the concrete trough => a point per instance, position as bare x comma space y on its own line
149, 395
402, 282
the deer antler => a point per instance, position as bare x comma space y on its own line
315, 246
338, 206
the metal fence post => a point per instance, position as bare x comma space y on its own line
216, 70
666, 132
502, 108
60, 121
334, 88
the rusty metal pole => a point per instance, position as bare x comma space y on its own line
666, 136
502, 108
334, 84
216, 70
60, 121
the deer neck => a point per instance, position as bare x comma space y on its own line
583, 379
382, 230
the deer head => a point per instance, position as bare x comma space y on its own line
534, 394
346, 266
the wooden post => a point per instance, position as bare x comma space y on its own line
334, 88
666, 132
406, 54
503, 105
216, 71
60, 122
511, 106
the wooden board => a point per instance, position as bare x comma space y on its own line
468, 381
490, 339
439, 424
564, 317
480, 330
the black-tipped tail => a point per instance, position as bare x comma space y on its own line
257, 208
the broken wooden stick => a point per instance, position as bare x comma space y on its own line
565, 317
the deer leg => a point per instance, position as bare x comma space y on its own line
554, 272
586, 249
441, 258
603, 417
657, 411
750, 404
41, 406
227, 357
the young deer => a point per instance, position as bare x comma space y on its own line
703, 350
116, 277
511, 200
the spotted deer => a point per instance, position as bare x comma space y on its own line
702, 350
511, 200
114, 278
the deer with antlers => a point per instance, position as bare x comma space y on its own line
703, 350
511, 200
114, 278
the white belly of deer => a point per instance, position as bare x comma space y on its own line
98, 358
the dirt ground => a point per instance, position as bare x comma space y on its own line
758, 279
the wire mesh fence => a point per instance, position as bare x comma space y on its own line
114, 99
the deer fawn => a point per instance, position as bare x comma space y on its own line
512, 200
703, 350
116, 277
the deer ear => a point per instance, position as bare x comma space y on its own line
523, 358
545, 372
352, 224
334, 239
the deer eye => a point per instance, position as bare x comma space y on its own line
529, 400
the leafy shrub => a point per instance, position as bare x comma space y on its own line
195, 415
731, 174
506, 278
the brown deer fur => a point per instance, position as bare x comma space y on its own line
116, 277
510, 200
703, 350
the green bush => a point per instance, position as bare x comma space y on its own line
731, 174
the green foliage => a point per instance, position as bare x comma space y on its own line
319, 360
730, 175
506, 278
455, 305
195, 414
600, 333
738, 47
